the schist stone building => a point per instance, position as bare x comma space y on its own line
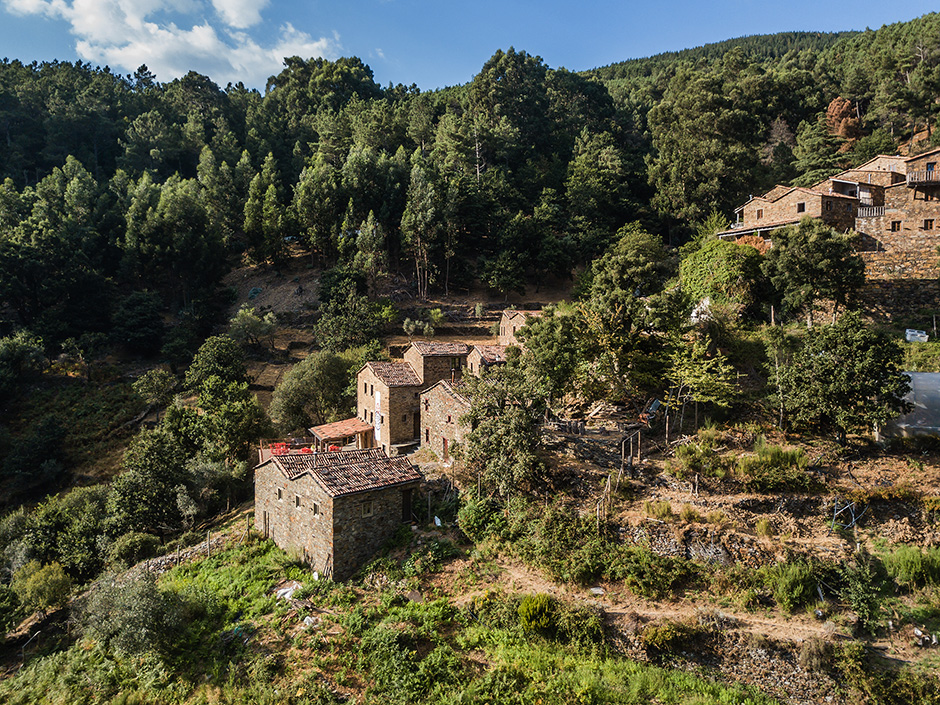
510, 322
334, 509
442, 406
893, 202
388, 395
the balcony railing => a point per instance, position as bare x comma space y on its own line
871, 211
737, 225
924, 177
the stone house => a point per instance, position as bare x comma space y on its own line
442, 407
484, 356
510, 322
892, 202
334, 510
387, 393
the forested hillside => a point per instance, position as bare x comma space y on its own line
526, 168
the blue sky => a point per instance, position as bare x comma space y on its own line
432, 43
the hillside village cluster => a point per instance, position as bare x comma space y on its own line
336, 497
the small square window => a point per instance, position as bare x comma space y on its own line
367, 508
365, 387
800, 207
296, 500
372, 390
316, 509
280, 493
895, 226
928, 224
760, 213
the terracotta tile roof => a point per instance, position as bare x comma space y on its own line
492, 353
340, 429
395, 374
442, 349
345, 472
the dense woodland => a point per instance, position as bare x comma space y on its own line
119, 184
125, 202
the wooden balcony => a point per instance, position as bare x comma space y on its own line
923, 177
870, 211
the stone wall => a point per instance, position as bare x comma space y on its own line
300, 520
886, 300
433, 368
441, 410
908, 209
357, 537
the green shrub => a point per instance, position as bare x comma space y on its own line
132, 617
911, 567
862, 590
429, 558
537, 614
717, 517
133, 547
580, 625
775, 469
661, 510
40, 587
647, 573
480, 517
793, 584
698, 459
9, 608
668, 636
764, 527
689, 514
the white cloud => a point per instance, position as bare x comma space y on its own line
240, 13
127, 33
